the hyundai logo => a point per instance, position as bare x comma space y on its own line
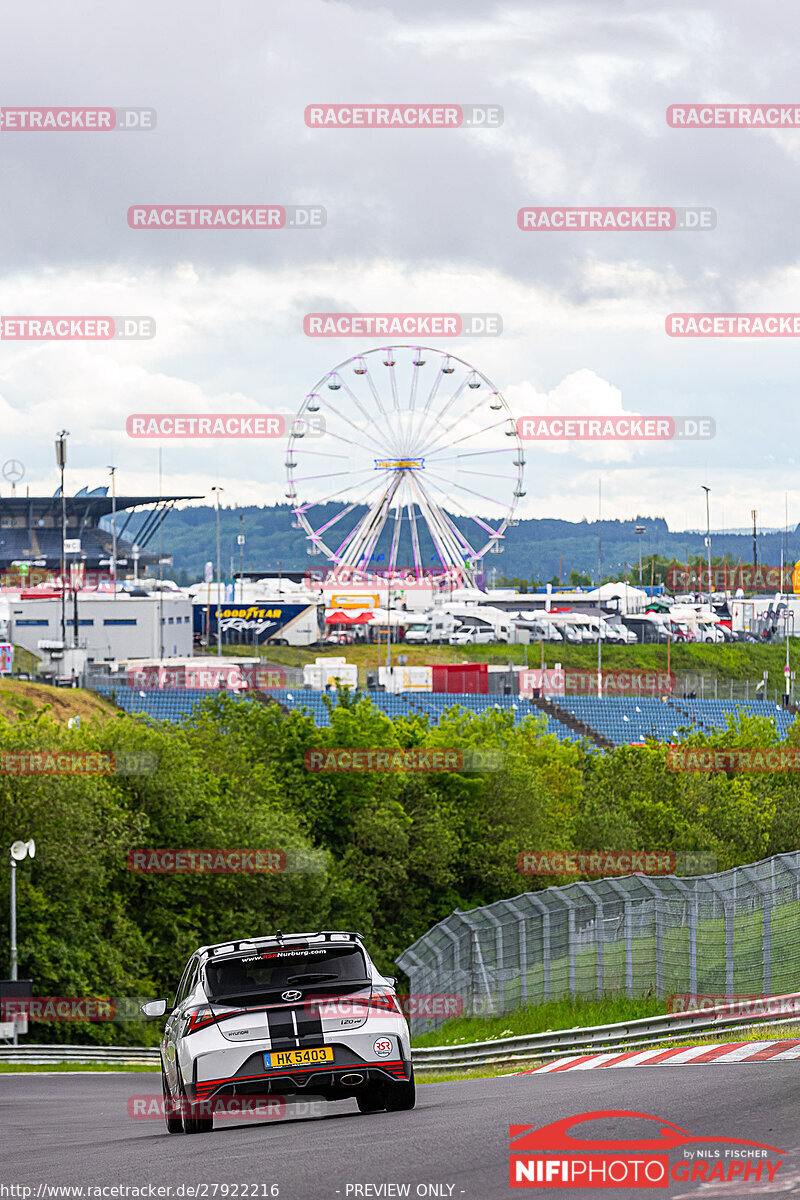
291, 995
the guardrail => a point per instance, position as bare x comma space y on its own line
36, 1055
497, 1052
598, 1038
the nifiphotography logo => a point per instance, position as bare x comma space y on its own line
555, 1157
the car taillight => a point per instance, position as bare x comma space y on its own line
386, 1002
198, 1019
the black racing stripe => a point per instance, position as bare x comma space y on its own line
293, 1026
281, 1028
309, 1023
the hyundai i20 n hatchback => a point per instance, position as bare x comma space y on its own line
291, 1015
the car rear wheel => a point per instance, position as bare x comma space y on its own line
193, 1121
399, 1097
172, 1110
371, 1099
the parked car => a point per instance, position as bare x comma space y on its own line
471, 635
418, 634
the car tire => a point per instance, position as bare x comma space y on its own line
371, 1099
171, 1116
192, 1123
399, 1097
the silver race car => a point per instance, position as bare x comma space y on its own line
298, 1014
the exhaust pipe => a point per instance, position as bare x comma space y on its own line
351, 1080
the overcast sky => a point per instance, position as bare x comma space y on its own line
417, 221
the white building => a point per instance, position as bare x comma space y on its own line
109, 628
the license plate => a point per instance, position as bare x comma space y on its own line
299, 1058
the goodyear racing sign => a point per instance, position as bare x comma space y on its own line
245, 622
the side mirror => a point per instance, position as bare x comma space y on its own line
154, 1008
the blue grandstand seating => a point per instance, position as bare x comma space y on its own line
625, 720
176, 704
622, 720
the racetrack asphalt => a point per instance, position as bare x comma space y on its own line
76, 1129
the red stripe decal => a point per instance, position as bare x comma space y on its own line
567, 1066
771, 1051
717, 1052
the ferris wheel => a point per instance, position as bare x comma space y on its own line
416, 464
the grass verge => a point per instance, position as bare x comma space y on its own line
541, 1018
41, 1068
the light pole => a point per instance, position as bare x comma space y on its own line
787, 674
240, 540
61, 460
707, 491
19, 851
639, 531
219, 580
114, 528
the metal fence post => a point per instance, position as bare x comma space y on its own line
570, 940
658, 899
499, 981
627, 933
522, 949
690, 898
767, 895
598, 935
545, 911
727, 914
477, 959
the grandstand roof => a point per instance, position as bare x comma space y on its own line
95, 503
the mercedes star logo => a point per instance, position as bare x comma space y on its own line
13, 470
291, 995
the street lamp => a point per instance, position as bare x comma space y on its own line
113, 471
639, 531
219, 580
240, 543
19, 851
707, 491
61, 461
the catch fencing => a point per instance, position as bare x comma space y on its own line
729, 934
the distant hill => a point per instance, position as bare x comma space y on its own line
533, 549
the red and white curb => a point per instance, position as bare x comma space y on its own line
723, 1052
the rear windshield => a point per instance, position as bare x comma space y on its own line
271, 971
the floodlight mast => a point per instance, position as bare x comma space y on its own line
61, 461
18, 851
